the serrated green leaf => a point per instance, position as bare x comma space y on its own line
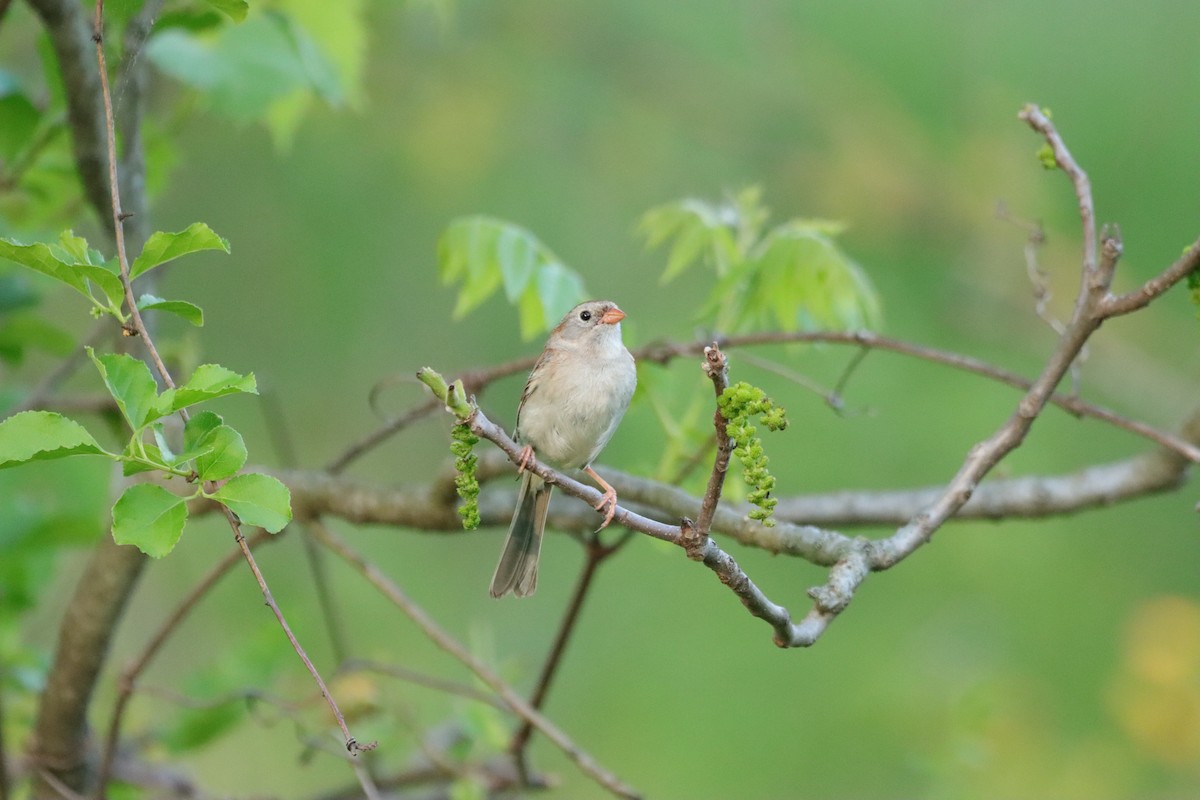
43, 435
163, 247
150, 518
207, 382
224, 454
259, 500
40, 257
236, 10
180, 308
130, 383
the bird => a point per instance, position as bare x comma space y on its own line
573, 401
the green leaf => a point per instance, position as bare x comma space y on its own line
224, 453
518, 256
130, 383
1045, 155
702, 232
800, 278
207, 382
181, 308
163, 247
236, 10
257, 500
43, 435
150, 518
247, 70
483, 253
66, 268
559, 290
199, 426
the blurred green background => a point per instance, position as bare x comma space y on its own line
1058, 658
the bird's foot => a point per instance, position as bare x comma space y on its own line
609, 498
526, 460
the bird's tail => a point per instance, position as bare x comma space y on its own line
517, 570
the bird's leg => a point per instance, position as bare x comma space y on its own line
608, 499
526, 459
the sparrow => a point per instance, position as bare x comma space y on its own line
573, 401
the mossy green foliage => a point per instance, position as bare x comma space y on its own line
740, 404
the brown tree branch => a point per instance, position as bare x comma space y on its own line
71, 37
58, 745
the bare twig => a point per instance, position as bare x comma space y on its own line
595, 552
1185, 265
119, 216
129, 677
450, 645
666, 351
1038, 120
139, 327
474, 382
421, 679
716, 368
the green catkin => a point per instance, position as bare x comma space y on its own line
739, 404
462, 445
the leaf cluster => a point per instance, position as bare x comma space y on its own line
739, 404
794, 276
483, 254
206, 456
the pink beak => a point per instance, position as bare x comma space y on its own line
612, 316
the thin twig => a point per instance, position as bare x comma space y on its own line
1038, 120
716, 368
118, 216
666, 351
474, 381
139, 327
421, 679
352, 745
378, 436
127, 682
450, 645
595, 553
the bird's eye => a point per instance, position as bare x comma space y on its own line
585, 315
